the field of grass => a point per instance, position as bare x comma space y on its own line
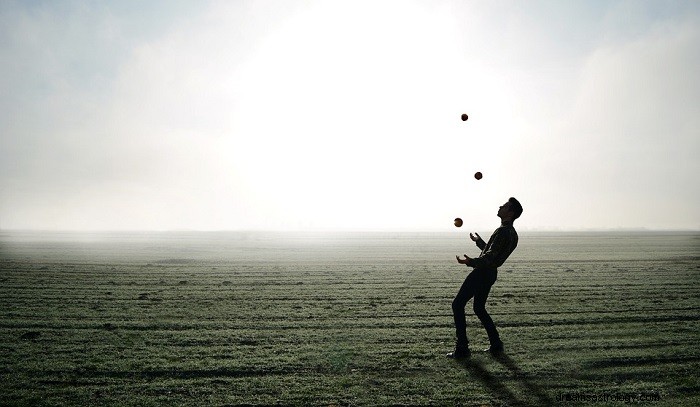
362, 319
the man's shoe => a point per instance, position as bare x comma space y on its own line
459, 353
495, 350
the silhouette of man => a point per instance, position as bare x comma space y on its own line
478, 283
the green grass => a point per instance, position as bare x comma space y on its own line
310, 328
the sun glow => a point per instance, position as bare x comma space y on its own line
351, 119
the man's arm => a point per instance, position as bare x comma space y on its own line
478, 240
465, 260
491, 257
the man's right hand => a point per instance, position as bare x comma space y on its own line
475, 237
466, 260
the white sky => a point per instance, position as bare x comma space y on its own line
346, 114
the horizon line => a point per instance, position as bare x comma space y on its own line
344, 230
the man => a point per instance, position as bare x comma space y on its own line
478, 283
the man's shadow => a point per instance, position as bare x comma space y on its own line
500, 390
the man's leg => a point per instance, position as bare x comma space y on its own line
466, 292
481, 294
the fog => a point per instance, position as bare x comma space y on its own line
311, 115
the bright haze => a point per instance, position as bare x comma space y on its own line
321, 115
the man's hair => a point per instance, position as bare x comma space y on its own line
515, 207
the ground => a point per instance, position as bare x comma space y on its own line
368, 327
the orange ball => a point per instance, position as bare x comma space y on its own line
458, 222
478, 175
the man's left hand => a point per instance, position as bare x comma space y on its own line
466, 260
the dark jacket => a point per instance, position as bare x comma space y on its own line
494, 253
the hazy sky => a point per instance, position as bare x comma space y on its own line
228, 115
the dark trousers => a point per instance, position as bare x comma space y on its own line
477, 284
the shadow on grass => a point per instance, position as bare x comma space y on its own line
534, 389
496, 386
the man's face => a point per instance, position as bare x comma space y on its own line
504, 210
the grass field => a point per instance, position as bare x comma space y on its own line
358, 319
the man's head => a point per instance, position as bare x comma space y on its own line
510, 210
